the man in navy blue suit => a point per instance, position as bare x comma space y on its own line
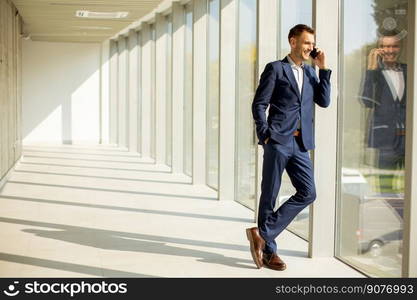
290, 88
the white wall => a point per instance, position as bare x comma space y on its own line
61, 92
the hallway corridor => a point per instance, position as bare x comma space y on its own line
100, 211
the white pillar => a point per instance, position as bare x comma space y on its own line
267, 52
178, 34
133, 93
199, 91
18, 152
146, 70
139, 114
409, 265
113, 84
160, 87
105, 93
122, 91
323, 210
228, 16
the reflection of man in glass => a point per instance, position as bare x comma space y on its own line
384, 93
290, 88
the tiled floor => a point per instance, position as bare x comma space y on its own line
78, 211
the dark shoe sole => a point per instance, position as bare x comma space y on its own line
258, 262
274, 268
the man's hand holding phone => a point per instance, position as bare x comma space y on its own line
373, 57
319, 58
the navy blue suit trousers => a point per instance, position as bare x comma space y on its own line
294, 158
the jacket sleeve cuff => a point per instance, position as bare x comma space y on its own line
325, 73
263, 136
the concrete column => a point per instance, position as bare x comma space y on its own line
322, 212
199, 91
139, 143
160, 88
267, 52
113, 84
18, 152
153, 90
168, 108
178, 34
228, 16
122, 91
133, 92
105, 93
146, 70
409, 266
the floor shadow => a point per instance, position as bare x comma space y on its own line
64, 266
124, 241
111, 190
128, 209
72, 147
103, 177
85, 159
91, 167
133, 155
293, 253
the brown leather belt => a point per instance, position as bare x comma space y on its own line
400, 132
297, 133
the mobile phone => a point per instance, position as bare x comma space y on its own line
314, 53
379, 61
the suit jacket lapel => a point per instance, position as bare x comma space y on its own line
290, 75
390, 85
305, 80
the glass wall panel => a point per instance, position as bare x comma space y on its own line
372, 135
153, 90
246, 141
168, 158
293, 12
188, 91
213, 94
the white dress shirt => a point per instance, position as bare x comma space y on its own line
395, 80
298, 73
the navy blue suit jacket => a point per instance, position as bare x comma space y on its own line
387, 115
278, 89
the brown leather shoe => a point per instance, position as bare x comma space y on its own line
274, 262
257, 244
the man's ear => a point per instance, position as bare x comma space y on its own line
293, 42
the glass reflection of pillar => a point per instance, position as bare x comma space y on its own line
213, 94
371, 158
188, 91
245, 130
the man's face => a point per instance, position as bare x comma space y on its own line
302, 45
391, 48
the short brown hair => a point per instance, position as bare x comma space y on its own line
298, 29
388, 33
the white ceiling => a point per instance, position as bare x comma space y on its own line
55, 20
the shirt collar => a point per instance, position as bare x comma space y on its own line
395, 67
293, 64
